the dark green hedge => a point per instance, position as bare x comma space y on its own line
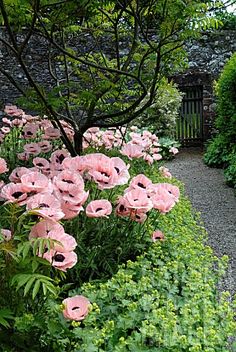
222, 149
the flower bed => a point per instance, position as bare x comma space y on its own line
98, 253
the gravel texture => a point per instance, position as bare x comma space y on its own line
216, 202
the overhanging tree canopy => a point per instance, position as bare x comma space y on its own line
123, 49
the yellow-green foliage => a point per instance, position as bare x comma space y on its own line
166, 300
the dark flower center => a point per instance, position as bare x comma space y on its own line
39, 164
68, 181
17, 194
43, 205
60, 158
141, 185
117, 170
29, 133
122, 207
59, 257
74, 308
98, 209
104, 174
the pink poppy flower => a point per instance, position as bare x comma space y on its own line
67, 242
16, 174
30, 131
75, 196
77, 163
165, 172
163, 201
122, 170
17, 123
138, 216
137, 199
66, 179
55, 231
102, 171
171, 189
148, 158
93, 129
70, 210
99, 208
51, 133
61, 260
174, 150
45, 205
3, 166
23, 156
6, 234
13, 110
121, 209
45, 146
32, 148
42, 164
139, 182
157, 235
7, 121
57, 158
76, 308
14, 193
147, 134
36, 182
30, 118
157, 156
5, 130
132, 151
44, 227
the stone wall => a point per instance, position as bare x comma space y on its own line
210, 53
207, 56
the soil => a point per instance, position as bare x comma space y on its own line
216, 202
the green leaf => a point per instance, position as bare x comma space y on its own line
4, 315
36, 289
28, 285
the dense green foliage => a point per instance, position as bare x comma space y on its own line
161, 115
221, 150
228, 19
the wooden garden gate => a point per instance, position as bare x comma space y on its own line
189, 127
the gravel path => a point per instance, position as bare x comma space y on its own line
217, 203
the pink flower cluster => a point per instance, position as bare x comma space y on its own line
143, 145
54, 189
142, 195
96, 138
32, 127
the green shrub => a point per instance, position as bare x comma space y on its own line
226, 103
217, 152
161, 116
230, 171
221, 150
